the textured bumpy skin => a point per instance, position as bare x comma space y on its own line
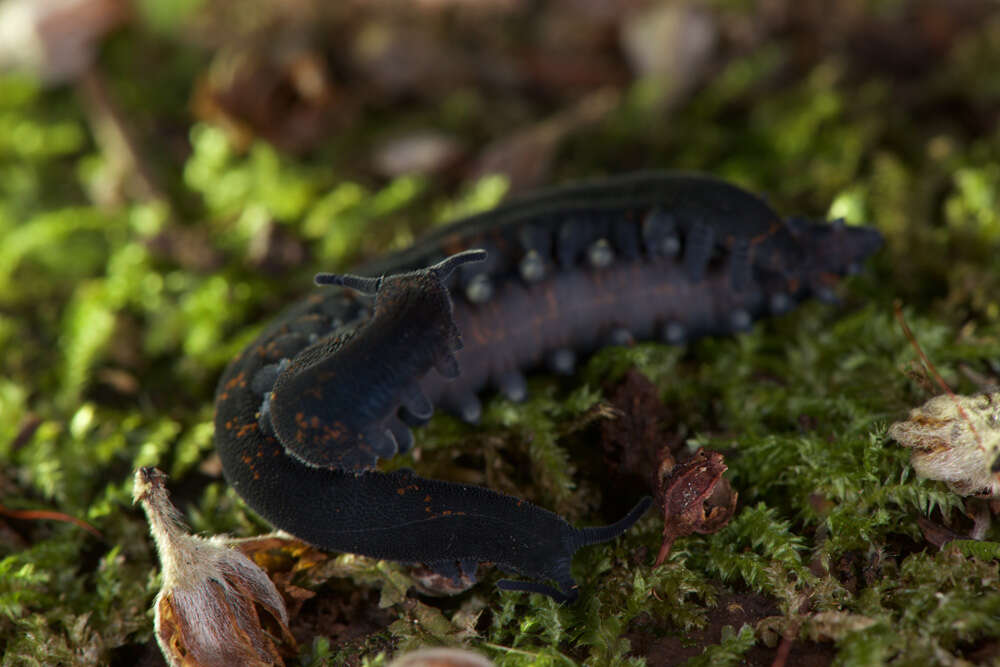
303, 414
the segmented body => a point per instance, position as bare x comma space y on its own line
306, 410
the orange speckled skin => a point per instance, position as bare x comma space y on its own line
411, 328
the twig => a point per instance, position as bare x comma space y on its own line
32, 515
115, 135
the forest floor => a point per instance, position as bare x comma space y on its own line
166, 191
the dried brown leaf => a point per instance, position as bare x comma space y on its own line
695, 498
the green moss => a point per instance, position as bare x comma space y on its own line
53, 612
727, 652
934, 607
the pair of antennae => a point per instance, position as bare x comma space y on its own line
370, 286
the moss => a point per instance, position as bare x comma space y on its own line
112, 345
727, 652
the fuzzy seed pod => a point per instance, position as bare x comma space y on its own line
216, 607
955, 439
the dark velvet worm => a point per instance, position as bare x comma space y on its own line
306, 411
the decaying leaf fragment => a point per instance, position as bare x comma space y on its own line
956, 439
695, 497
216, 607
